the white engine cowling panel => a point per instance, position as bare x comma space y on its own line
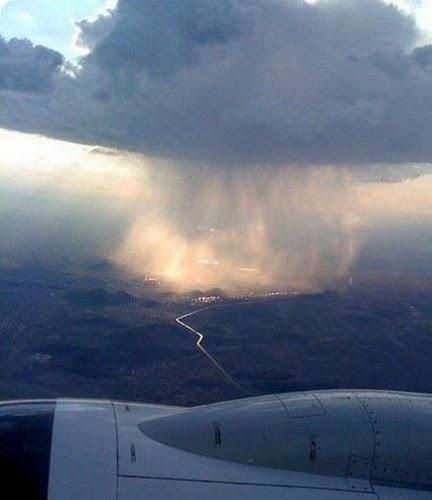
83, 452
328, 445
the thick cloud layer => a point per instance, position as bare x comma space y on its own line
27, 68
158, 38
92, 32
246, 81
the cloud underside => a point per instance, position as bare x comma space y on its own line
235, 82
27, 68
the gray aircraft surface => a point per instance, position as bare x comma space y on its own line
330, 445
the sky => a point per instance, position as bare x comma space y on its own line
53, 23
238, 141
48, 23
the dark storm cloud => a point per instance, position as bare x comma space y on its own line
91, 33
423, 57
158, 37
27, 68
243, 81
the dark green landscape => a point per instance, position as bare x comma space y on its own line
88, 334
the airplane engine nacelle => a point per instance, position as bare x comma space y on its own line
383, 437
330, 445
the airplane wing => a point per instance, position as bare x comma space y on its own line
329, 445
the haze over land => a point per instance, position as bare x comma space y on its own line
285, 227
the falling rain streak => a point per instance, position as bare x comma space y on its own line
290, 227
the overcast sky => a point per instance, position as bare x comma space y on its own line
267, 136
233, 82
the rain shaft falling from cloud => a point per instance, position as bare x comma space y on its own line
294, 228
